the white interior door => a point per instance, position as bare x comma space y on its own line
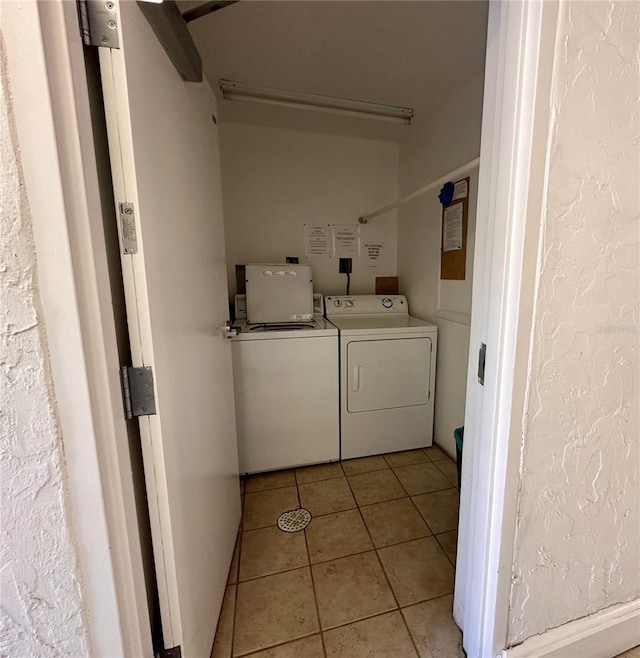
164, 154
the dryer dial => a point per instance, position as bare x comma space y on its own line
387, 302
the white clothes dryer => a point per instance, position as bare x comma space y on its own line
387, 374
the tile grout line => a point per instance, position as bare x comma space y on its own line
425, 520
399, 481
424, 493
373, 470
454, 484
286, 486
274, 646
313, 588
374, 547
238, 582
353, 493
373, 616
367, 550
386, 577
419, 494
453, 562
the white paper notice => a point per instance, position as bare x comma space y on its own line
460, 190
373, 252
347, 240
452, 229
318, 241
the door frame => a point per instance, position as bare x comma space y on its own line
75, 298
49, 89
511, 193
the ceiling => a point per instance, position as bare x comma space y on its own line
409, 53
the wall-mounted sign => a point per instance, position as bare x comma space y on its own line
452, 227
347, 240
460, 190
373, 252
318, 240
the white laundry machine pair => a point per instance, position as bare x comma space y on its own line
387, 374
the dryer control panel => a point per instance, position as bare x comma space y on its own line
365, 304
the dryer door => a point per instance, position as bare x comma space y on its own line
388, 373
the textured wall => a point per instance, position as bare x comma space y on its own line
578, 544
41, 605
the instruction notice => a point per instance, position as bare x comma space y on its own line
452, 228
347, 240
373, 252
318, 240
460, 190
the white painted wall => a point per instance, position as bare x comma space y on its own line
42, 607
577, 546
274, 181
440, 144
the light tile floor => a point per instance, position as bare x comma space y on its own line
372, 575
632, 653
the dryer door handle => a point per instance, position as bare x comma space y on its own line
356, 380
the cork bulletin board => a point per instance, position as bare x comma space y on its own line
455, 217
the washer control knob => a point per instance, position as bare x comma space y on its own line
348, 303
387, 302
337, 302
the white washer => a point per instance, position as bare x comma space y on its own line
387, 374
286, 392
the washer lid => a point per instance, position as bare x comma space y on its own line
378, 324
319, 327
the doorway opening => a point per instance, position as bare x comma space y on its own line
282, 170
285, 169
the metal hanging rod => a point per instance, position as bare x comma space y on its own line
436, 183
206, 9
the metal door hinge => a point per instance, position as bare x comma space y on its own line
128, 228
98, 23
173, 652
137, 391
482, 355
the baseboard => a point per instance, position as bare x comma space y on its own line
604, 634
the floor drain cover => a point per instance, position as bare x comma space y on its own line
295, 520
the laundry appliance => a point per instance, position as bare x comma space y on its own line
387, 374
285, 366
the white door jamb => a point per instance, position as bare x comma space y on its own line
520, 48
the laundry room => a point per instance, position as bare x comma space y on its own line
299, 181
324, 179
321, 328
287, 169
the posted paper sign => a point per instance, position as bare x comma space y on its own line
452, 229
460, 190
373, 252
318, 241
347, 240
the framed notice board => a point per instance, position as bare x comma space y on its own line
455, 217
